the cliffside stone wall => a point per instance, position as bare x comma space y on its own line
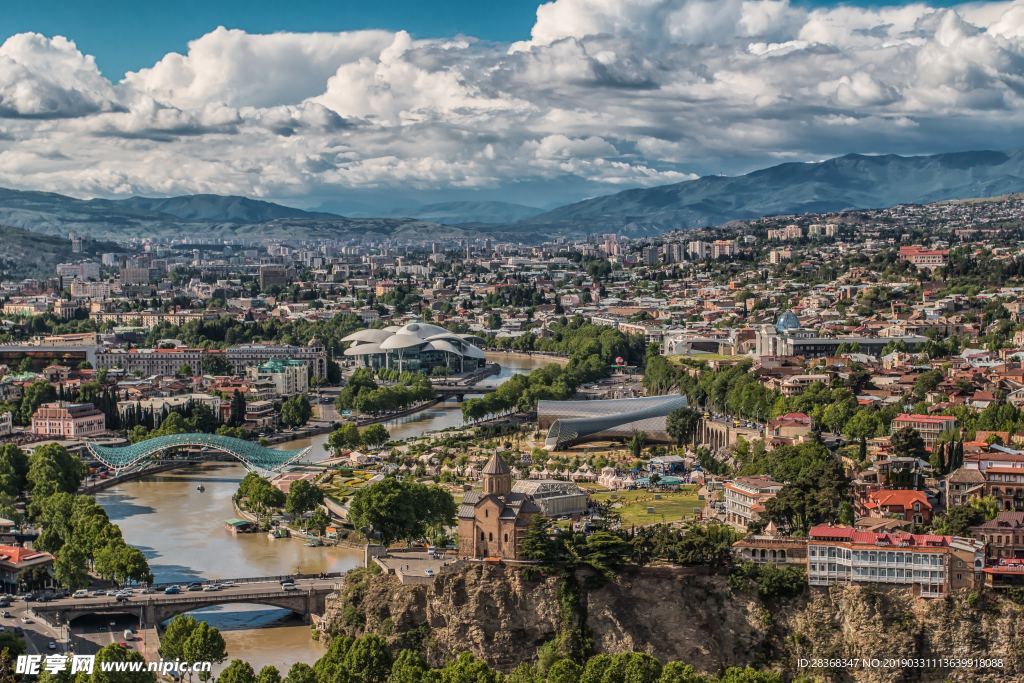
503, 615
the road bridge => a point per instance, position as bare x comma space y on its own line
459, 391
308, 598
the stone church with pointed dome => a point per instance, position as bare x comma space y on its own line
493, 521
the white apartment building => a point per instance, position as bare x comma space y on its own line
289, 377
745, 498
929, 564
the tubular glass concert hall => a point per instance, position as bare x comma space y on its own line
573, 422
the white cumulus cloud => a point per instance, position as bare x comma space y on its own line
602, 94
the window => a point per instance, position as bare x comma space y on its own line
481, 535
506, 537
490, 536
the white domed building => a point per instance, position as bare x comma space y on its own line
416, 346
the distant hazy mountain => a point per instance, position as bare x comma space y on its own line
455, 213
217, 209
853, 181
850, 182
197, 215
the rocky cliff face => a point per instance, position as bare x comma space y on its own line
502, 615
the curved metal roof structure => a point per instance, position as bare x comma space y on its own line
573, 422
251, 454
413, 337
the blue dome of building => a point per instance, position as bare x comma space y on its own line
787, 321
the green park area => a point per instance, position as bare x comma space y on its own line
343, 483
641, 508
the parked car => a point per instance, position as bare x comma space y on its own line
211, 587
172, 590
51, 645
195, 587
5, 614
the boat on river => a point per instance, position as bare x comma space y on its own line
278, 532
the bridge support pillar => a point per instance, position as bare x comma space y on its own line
149, 614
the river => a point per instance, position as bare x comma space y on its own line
180, 529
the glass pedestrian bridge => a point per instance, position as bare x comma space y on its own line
251, 454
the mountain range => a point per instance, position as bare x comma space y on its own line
853, 181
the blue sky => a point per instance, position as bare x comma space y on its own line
126, 35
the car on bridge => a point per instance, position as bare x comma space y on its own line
172, 590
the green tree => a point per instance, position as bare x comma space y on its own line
345, 437
368, 659
409, 667
468, 669
70, 568
237, 671
677, 672
636, 443
295, 411
318, 522
400, 509
303, 496
300, 673
237, 415
268, 674
13, 469
682, 424
375, 435
564, 671
122, 563
51, 469
172, 642
204, 644
907, 443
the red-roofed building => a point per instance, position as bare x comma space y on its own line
928, 426
924, 258
23, 567
745, 498
789, 428
906, 504
930, 565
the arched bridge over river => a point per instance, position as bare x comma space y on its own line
251, 454
306, 599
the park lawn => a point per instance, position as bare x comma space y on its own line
340, 486
672, 507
